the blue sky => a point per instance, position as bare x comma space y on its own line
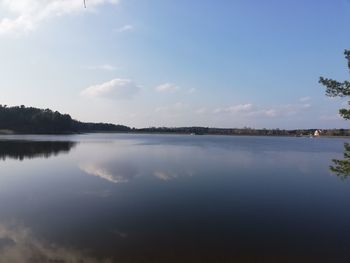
177, 63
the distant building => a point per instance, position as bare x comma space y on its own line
317, 133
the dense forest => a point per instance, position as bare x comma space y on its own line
21, 119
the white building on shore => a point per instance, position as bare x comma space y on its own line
317, 133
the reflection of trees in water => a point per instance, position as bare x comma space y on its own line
21, 150
342, 167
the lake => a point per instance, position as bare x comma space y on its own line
172, 198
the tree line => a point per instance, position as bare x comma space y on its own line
242, 131
21, 119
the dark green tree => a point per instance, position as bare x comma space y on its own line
342, 167
335, 88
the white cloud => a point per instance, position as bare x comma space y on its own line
240, 108
125, 28
201, 110
304, 99
281, 110
269, 112
333, 117
192, 90
106, 67
306, 105
167, 87
172, 109
113, 89
24, 16
235, 109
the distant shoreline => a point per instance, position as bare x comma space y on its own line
29, 120
9, 133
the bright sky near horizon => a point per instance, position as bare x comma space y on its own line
149, 63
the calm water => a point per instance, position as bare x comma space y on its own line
164, 198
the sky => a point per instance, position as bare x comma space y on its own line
145, 63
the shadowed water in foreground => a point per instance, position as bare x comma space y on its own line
156, 198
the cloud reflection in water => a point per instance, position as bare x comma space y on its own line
18, 245
115, 173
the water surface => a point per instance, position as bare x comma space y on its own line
171, 198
